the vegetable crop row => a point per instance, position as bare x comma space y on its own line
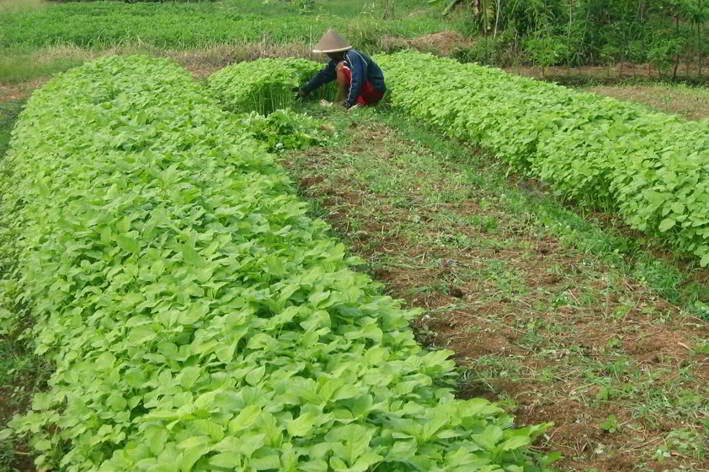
264, 85
650, 167
198, 319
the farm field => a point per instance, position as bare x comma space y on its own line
41, 39
215, 326
201, 272
547, 311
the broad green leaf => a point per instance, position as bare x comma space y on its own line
128, 244
666, 224
255, 375
241, 338
515, 442
302, 425
245, 418
227, 460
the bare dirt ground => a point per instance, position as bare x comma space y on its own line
554, 333
19, 91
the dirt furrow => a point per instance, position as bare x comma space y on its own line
554, 333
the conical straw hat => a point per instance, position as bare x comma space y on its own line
332, 42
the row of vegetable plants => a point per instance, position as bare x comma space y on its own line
264, 85
197, 317
652, 168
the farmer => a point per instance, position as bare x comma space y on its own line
360, 81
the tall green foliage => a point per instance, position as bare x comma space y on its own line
664, 32
198, 319
650, 167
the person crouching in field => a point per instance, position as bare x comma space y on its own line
360, 80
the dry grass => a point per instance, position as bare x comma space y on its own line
202, 62
27, 67
612, 74
18, 70
20, 5
443, 43
689, 102
54, 53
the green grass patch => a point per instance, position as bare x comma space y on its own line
39, 42
9, 110
23, 67
190, 25
536, 213
21, 375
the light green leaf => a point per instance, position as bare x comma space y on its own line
666, 224
128, 244
253, 377
515, 442
245, 418
302, 425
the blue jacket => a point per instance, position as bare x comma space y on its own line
363, 68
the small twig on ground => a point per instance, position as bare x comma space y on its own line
576, 300
648, 443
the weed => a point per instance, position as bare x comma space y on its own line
610, 424
683, 441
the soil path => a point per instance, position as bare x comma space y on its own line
554, 333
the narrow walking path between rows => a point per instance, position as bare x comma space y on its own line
542, 312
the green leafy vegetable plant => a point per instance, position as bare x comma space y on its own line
283, 130
264, 85
650, 167
198, 319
